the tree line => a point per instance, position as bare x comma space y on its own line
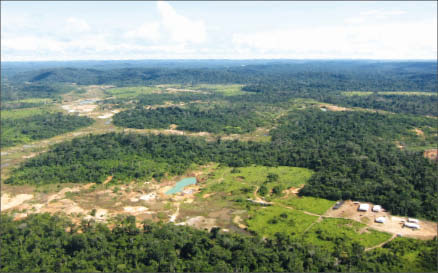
45, 243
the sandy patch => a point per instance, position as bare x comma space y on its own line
89, 185
334, 108
101, 214
106, 115
292, 190
61, 194
401, 147
238, 221
8, 202
108, 179
173, 126
207, 195
74, 108
201, 222
135, 210
418, 132
149, 196
431, 154
29, 156
65, 205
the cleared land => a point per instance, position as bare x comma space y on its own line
393, 224
388, 93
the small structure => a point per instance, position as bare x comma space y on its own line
377, 208
338, 204
412, 225
380, 220
364, 207
413, 220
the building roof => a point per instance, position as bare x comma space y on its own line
377, 207
381, 219
364, 207
412, 225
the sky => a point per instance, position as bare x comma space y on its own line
124, 30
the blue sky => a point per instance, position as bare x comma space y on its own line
216, 30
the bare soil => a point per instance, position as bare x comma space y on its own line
431, 154
393, 224
419, 132
8, 202
334, 108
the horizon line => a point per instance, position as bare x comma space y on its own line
225, 59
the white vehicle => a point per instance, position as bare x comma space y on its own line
412, 220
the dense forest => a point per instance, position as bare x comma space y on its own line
18, 91
215, 120
44, 243
44, 125
335, 75
353, 154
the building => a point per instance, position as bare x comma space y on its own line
338, 204
412, 220
364, 207
380, 219
377, 208
412, 225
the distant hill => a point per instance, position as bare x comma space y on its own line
339, 75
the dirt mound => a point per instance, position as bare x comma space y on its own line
431, 154
292, 190
418, 132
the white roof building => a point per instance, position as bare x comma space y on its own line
380, 219
412, 220
412, 225
364, 207
377, 208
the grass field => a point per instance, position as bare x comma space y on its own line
266, 221
310, 204
332, 232
241, 182
225, 89
131, 92
25, 112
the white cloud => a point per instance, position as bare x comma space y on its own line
77, 25
148, 31
181, 29
373, 15
171, 34
386, 41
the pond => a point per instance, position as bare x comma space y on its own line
181, 184
87, 101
